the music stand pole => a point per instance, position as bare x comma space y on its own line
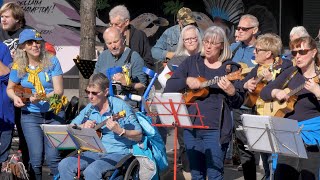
79, 153
176, 124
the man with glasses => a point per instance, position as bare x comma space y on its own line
242, 51
166, 45
135, 39
118, 137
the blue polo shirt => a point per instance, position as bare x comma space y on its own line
243, 54
6, 105
46, 79
112, 142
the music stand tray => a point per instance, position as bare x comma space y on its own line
86, 67
273, 135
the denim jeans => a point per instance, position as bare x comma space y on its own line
205, 153
38, 143
93, 165
5, 144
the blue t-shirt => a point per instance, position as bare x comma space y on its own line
46, 79
112, 142
6, 105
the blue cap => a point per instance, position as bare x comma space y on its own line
29, 34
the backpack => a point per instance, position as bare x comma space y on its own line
154, 141
72, 109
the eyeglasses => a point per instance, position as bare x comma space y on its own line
301, 52
258, 50
245, 29
207, 43
30, 42
193, 39
92, 92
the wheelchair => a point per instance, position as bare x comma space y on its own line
126, 169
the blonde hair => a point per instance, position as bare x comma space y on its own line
16, 10
22, 61
216, 34
270, 42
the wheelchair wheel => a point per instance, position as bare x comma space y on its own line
132, 172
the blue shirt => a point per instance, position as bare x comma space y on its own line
243, 54
168, 41
6, 105
110, 140
54, 70
106, 60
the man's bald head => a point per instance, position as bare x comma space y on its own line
114, 40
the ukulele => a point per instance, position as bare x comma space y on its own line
281, 108
115, 117
251, 97
25, 93
193, 94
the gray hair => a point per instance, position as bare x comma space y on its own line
121, 11
253, 20
299, 31
216, 34
181, 49
99, 80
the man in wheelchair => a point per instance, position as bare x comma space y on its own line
118, 137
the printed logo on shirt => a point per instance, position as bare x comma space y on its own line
11, 43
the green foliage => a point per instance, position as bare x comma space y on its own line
172, 7
102, 4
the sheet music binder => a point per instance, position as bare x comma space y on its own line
86, 67
273, 135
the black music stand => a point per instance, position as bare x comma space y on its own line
86, 67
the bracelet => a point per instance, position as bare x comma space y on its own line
123, 132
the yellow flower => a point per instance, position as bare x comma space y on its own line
64, 100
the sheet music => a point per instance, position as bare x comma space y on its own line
86, 139
283, 139
165, 111
58, 136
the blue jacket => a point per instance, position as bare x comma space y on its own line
168, 41
6, 105
216, 108
152, 145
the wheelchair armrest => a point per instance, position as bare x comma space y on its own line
123, 160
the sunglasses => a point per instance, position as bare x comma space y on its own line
92, 92
30, 42
301, 52
244, 28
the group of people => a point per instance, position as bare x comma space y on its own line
190, 55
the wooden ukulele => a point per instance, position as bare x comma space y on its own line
251, 97
281, 108
193, 94
25, 93
115, 117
